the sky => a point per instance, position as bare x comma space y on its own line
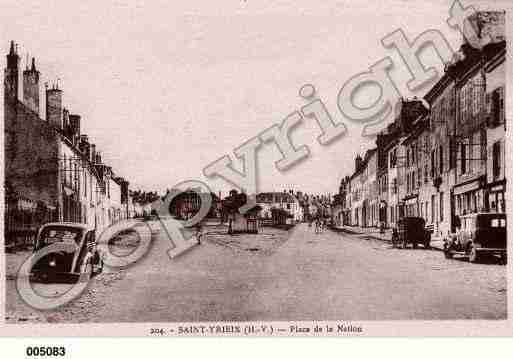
165, 88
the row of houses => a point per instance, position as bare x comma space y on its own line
444, 155
53, 172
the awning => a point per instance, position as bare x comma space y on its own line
498, 188
471, 186
411, 200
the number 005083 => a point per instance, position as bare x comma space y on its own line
46, 351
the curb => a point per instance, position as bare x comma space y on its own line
352, 232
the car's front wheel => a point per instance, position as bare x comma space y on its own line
99, 267
86, 269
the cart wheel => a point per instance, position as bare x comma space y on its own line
427, 245
504, 259
415, 245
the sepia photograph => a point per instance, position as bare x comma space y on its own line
255, 168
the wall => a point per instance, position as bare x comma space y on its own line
31, 153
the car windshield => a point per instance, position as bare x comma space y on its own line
52, 235
492, 222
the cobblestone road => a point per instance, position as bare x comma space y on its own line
329, 276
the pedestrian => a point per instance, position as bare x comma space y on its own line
395, 237
199, 232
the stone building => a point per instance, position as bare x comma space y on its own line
52, 172
285, 201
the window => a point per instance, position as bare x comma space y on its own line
496, 155
393, 158
441, 206
497, 106
441, 159
463, 158
452, 154
433, 208
70, 171
433, 164
64, 169
85, 182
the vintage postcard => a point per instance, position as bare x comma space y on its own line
256, 168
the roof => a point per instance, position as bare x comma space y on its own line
419, 127
270, 197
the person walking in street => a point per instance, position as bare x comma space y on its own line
199, 232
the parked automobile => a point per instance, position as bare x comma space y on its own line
63, 265
411, 230
479, 234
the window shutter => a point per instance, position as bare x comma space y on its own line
501, 105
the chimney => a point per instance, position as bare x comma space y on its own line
11, 74
84, 146
357, 163
31, 87
74, 123
54, 107
65, 123
93, 153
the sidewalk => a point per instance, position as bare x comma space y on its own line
374, 233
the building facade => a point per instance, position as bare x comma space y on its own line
444, 155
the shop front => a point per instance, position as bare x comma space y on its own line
496, 196
470, 197
411, 205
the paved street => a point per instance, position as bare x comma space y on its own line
330, 276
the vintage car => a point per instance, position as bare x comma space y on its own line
478, 234
84, 259
411, 230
